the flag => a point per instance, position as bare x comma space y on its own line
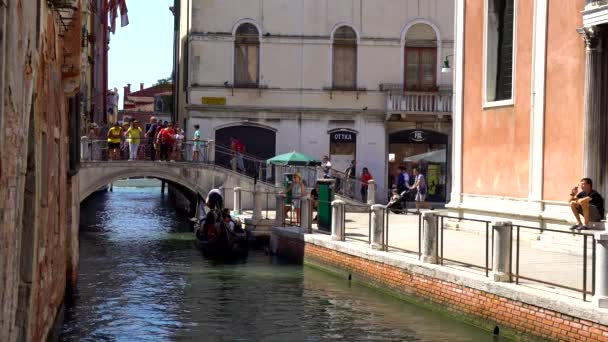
113, 12
124, 17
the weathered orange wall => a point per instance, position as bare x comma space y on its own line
496, 142
564, 104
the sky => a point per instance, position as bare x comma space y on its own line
143, 50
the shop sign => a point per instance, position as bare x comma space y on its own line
343, 137
217, 101
418, 136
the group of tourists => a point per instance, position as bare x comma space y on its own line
165, 140
162, 141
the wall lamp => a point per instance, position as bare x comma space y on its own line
446, 65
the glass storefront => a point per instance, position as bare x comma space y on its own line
424, 149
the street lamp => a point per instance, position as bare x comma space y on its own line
446, 65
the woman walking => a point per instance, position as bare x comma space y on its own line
365, 178
133, 135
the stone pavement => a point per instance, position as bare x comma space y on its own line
464, 247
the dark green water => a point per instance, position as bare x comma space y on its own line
142, 279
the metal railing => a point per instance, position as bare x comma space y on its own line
97, 149
488, 241
419, 102
390, 243
585, 238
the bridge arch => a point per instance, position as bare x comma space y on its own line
196, 177
113, 174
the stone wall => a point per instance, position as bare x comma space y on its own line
39, 71
484, 308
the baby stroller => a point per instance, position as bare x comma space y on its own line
398, 202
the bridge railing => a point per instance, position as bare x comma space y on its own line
207, 151
98, 150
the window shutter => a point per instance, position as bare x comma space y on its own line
246, 56
344, 59
504, 75
345, 66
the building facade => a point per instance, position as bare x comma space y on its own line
530, 106
40, 78
348, 79
145, 103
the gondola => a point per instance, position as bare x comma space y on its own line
222, 240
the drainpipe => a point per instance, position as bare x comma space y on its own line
3, 61
104, 41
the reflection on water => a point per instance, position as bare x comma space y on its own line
142, 278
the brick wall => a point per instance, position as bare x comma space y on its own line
478, 307
39, 71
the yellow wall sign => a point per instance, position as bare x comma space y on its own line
218, 101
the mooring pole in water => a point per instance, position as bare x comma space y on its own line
162, 187
111, 187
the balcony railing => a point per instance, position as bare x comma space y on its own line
416, 102
596, 2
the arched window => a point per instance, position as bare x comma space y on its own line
345, 59
420, 58
247, 56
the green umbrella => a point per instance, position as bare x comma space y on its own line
293, 158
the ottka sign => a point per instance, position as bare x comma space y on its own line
343, 137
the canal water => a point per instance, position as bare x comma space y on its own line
142, 279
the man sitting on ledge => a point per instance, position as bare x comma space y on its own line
586, 202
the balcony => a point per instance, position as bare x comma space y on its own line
595, 3
595, 13
417, 102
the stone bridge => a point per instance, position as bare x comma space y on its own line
196, 177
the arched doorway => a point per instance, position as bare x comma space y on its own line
260, 142
425, 149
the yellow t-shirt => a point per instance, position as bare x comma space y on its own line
134, 135
114, 135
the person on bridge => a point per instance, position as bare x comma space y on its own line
151, 135
238, 149
133, 135
586, 202
196, 145
114, 141
166, 138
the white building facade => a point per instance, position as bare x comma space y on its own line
352, 79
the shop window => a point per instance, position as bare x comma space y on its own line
344, 59
420, 66
499, 49
247, 56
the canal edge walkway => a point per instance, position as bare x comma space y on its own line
521, 311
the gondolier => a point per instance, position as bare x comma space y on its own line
215, 199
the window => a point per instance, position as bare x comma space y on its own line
420, 66
345, 59
499, 50
247, 56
